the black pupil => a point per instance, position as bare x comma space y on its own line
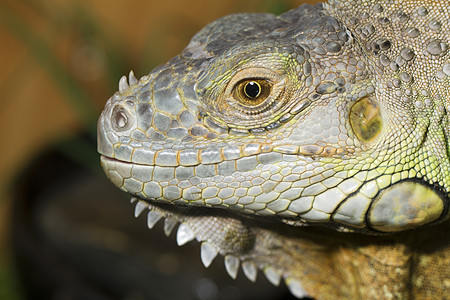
252, 90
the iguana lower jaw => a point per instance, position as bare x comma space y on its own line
399, 206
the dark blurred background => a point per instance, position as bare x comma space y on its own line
60, 61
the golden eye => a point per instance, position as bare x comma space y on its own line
252, 91
365, 119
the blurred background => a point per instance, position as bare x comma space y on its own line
60, 61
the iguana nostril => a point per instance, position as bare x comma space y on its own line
120, 118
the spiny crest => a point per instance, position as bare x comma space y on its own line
208, 251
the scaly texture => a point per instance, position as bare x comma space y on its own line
313, 146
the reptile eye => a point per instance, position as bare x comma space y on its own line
252, 92
253, 97
365, 119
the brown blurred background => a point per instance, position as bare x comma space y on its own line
61, 60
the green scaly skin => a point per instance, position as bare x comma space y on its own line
313, 146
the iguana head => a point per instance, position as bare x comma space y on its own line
332, 115
289, 117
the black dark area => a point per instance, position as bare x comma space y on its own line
75, 237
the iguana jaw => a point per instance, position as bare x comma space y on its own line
401, 206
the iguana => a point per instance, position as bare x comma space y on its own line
314, 146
